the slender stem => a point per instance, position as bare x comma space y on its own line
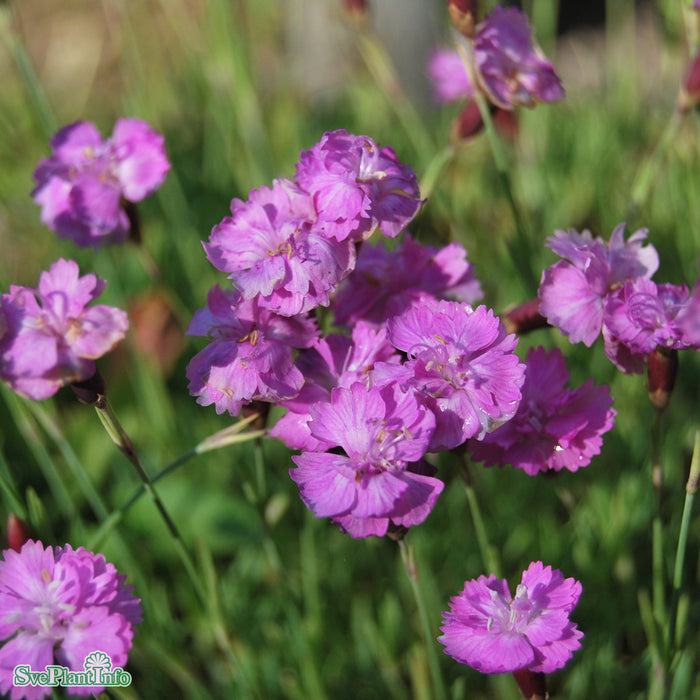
111, 424
435, 168
658, 592
489, 556
409, 562
690, 490
520, 249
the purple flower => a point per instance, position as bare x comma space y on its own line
489, 630
272, 248
572, 292
554, 428
385, 283
251, 353
510, 66
358, 187
448, 75
462, 365
58, 607
379, 478
51, 338
642, 315
689, 318
83, 186
335, 360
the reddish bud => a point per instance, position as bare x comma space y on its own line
532, 685
18, 532
662, 366
357, 11
524, 318
469, 123
506, 123
689, 94
463, 15
91, 391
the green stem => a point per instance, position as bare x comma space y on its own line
690, 490
658, 583
31, 81
489, 555
111, 424
435, 168
519, 249
409, 562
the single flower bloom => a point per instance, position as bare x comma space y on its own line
642, 315
493, 632
385, 283
58, 606
554, 427
250, 356
358, 187
448, 76
272, 248
461, 363
52, 337
375, 481
573, 291
335, 360
511, 68
689, 319
84, 187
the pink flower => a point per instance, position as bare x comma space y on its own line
554, 428
251, 353
385, 283
572, 292
378, 478
273, 249
494, 632
51, 336
358, 187
56, 607
449, 76
83, 187
461, 363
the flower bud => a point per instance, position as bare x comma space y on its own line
356, 11
524, 318
463, 15
532, 685
689, 94
90, 391
469, 123
18, 532
662, 366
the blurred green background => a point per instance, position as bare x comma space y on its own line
297, 609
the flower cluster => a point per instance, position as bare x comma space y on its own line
50, 337
607, 287
510, 68
57, 607
554, 428
85, 186
492, 631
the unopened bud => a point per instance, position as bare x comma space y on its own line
689, 94
532, 685
132, 213
18, 532
662, 366
506, 123
463, 15
261, 409
357, 11
468, 123
524, 318
91, 391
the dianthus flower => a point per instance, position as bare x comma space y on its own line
58, 606
689, 319
51, 337
572, 292
385, 283
640, 316
251, 353
494, 632
83, 187
271, 247
461, 364
334, 360
358, 187
380, 478
510, 68
554, 428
